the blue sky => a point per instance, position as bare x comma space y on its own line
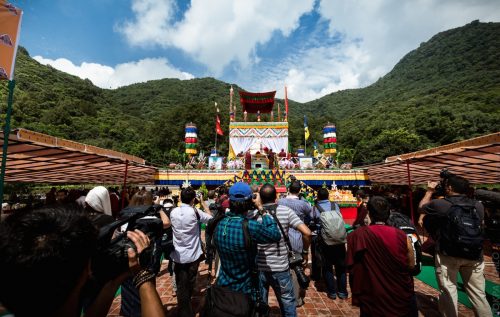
315, 47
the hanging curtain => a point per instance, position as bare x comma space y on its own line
241, 144
276, 144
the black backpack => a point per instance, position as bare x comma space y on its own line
462, 233
404, 223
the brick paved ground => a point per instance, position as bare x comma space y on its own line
316, 302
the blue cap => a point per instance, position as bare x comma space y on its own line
240, 192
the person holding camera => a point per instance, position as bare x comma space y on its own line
273, 258
51, 251
457, 221
303, 210
188, 251
237, 257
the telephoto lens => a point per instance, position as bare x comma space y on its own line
302, 278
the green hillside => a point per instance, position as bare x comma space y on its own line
446, 90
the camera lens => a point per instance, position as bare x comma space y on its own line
302, 278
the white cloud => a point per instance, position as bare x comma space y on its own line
375, 34
313, 73
389, 29
215, 32
121, 75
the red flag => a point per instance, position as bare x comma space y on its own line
218, 129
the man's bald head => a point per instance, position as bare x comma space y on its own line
267, 194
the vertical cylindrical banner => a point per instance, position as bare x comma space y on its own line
191, 138
330, 139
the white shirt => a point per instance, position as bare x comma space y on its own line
186, 233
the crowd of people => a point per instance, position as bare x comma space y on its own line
257, 240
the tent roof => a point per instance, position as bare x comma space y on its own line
257, 101
477, 159
40, 158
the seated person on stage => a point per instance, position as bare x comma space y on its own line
248, 160
282, 153
45, 264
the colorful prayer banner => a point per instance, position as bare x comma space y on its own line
10, 26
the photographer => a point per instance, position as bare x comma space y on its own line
50, 250
130, 300
237, 260
273, 258
303, 210
457, 224
188, 250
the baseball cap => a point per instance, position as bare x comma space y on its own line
240, 192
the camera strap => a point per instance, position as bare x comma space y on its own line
272, 210
249, 246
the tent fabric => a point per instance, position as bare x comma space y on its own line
34, 157
253, 102
476, 159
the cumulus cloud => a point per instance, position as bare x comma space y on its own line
121, 75
374, 35
315, 72
388, 29
215, 33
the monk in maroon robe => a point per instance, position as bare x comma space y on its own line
248, 160
379, 260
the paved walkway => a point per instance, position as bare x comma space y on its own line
316, 302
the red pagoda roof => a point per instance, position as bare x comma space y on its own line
257, 101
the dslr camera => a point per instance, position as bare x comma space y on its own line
295, 260
111, 258
441, 187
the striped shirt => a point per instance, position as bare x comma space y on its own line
303, 210
273, 257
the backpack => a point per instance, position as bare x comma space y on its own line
332, 226
404, 223
462, 233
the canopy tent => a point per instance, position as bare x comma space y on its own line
477, 159
39, 158
252, 102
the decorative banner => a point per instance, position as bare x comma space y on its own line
252, 102
306, 128
10, 25
218, 128
330, 139
191, 139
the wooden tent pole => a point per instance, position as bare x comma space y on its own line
124, 184
409, 188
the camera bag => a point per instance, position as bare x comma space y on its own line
294, 259
224, 302
462, 234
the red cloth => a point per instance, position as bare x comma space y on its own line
248, 161
377, 259
361, 215
115, 204
218, 129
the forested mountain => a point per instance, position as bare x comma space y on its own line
446, 90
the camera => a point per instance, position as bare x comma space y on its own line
440, 189
111, 258
295, 260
